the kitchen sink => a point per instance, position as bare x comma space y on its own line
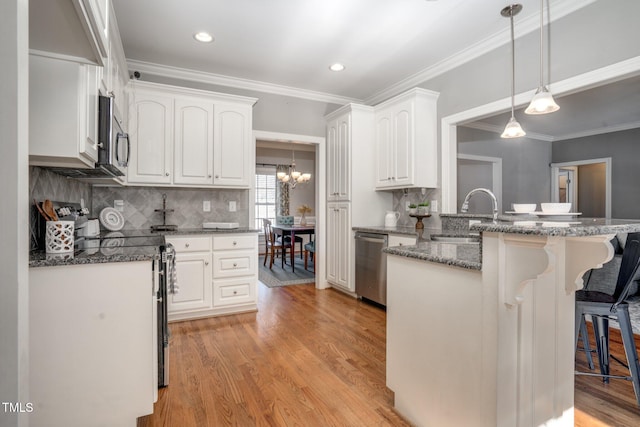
443, 238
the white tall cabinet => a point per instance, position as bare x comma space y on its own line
351, 196
189, 138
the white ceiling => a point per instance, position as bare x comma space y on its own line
291, 43
387, 46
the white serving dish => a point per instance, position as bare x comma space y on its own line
524, 207
225, 225
555, 208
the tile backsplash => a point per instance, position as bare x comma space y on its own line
44, 184
415, 196
140, 204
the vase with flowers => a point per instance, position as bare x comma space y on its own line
303, 210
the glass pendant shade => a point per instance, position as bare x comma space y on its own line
513, 129
542, 102
294, 177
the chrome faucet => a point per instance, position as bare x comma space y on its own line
465, 204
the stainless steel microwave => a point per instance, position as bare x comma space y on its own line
114, 147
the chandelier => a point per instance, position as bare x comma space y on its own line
293, 177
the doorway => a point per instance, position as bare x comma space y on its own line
320, 191
584, 183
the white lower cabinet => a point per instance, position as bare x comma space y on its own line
92, 347
395, 240
339, 239
216, 274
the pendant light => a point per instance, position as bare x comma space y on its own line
542, 102
513, 128
294, 177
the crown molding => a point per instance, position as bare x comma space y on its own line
246, 84
598, 131
525, 26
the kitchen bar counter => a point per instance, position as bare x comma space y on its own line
121, 246
492, 345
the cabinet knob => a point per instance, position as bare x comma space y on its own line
166, 174
186, 245
235, 243
235, 264
206, 263
235, 292
208, 176
217, 176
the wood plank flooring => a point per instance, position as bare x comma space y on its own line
314, 358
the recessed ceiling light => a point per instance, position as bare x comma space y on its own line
336, 67
203, 37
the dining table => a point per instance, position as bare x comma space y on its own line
291, 230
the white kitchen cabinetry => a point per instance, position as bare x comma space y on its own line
406, 141
151, 135
339, 243
338, 159
193, 142
91, 344
115, 72
235, 271
351, 196
395, 240
205, 136
63, 113
194, 274
233, 146
216, 274
94, 18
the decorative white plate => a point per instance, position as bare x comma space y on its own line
111, 219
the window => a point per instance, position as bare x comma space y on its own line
265, 194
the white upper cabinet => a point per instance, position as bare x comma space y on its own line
63, 113
151, 136
232, 152
186, 137
406, 141
193, 142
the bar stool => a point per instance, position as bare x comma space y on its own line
603, 307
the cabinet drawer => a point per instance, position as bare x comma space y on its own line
190, 243
234, 291
401, 240
235, 241
234, 263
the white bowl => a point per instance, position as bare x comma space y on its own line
524, 207
555, 207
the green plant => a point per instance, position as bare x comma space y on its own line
412, 206
423, 204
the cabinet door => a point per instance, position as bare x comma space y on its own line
88, 146
403, 158
384, 148
339, 245
194, 273
232, 148
151, 134
193, 142
339, 159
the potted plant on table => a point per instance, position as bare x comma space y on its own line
423, 208
303, 210
413, 208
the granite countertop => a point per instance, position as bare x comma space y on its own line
469, 255
381, 229
120, 246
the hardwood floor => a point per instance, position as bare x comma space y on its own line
314, 358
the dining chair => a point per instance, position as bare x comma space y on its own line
603, 307
310, 248
273, 244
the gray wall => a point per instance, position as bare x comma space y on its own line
526, 176
624, 149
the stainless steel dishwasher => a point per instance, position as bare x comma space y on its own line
371, 267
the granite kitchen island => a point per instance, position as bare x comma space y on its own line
483, 334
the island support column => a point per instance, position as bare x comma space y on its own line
534, 278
